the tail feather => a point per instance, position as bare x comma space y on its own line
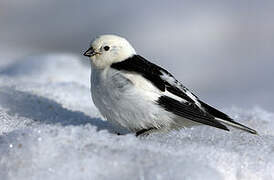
237, 125
225, 119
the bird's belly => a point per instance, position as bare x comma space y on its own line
128, 107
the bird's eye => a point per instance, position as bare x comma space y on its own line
106, 48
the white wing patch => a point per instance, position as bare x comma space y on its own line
153, 93
142, 83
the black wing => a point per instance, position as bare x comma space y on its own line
154, 74
187, 109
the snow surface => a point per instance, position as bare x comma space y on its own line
49, 129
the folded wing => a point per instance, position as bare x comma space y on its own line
186, 104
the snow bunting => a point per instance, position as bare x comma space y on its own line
137, 95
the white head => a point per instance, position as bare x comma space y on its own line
108, 49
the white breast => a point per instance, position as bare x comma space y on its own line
127, 100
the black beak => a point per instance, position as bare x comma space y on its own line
90, 52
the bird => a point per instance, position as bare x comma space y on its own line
138, 96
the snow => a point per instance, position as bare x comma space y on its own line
50, 129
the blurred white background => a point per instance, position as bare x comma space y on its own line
222, 50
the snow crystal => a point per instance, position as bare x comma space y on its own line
50, 129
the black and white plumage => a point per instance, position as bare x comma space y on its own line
140, 96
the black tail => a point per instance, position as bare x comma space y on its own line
223, 118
